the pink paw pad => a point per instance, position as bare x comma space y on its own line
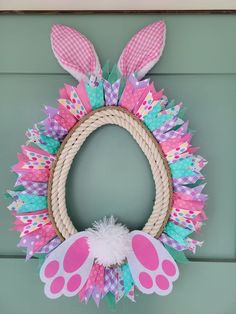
152, 267
145, 280
67, 268
150, 259
57, 285
73, 283
51, 269
76, 255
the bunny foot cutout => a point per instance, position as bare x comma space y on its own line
67, 268
152, 267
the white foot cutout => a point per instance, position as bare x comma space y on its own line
67, 268
152, 267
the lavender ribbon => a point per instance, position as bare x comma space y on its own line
28, 243
171, 242
186, 180
136, 83
194, 193
110, 280
52, 128
50, 246
111, 92
35, 188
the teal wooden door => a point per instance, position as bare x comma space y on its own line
198, 67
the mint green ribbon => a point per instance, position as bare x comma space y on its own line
50, 145
127, 277
152, 121
177, 233
122, 86
110, 298
178, 256
171, 104
114, 75
182, 168
41, 259
95, 95
11, 193
105, 70
182, 112
32, 202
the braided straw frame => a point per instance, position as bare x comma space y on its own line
72, 144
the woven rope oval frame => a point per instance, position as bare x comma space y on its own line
72, 144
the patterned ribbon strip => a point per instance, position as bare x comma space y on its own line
174, 143
36, 188
28, 202
153, 120
183, 127
128, 282
182, 168
188, 193
15, 205
44, 142
95, 94
33, 159
50, 246
132, 93
65, 118
178, 153
120, 291
177, 233
97, 293
31, 203
94, 286
28, 223
111, 92
37, 239
106, 282
34, 175
172, 110
167, 126
80, 90
51, 128
148, 103
186, 180
184, 217
165, 239
111, 280
74, 105
192, 244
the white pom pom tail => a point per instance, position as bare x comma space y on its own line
109, 242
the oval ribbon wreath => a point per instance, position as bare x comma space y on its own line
107, 259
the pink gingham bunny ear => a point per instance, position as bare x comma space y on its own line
74, 52
143, 50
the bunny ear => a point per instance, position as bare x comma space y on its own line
143, 50
74, 52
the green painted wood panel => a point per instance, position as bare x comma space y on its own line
195, 44
198, 68
205, 288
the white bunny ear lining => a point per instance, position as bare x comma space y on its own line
77, 55
143, 51
74, 52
